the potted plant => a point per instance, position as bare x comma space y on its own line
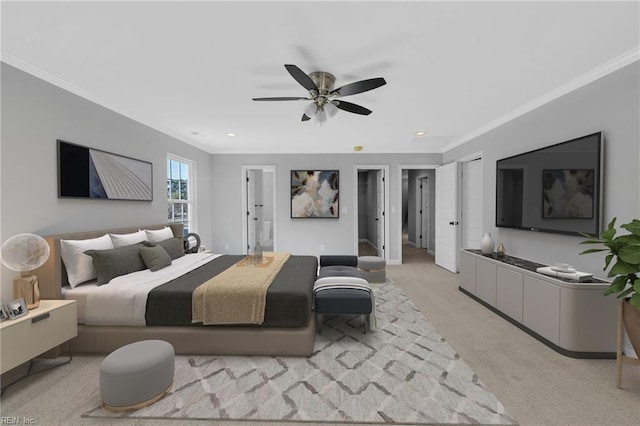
623, 259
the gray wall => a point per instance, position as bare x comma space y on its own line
610, 105
303, 236
35, 114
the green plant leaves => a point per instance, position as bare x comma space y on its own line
630, 254
633, 227
624, 253
607, 260
617, 285
592, 251
622, 268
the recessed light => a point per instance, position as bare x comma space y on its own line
231, 134
419, 133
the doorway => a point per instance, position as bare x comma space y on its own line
371, 204
425, 206
258, 207
416, 219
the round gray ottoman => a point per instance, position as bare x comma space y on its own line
373, 268
136, 375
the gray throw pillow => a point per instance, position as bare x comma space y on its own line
173, 247
155, 257
115, 262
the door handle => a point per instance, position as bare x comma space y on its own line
453, 223
376, 218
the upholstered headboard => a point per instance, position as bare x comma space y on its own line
53, 275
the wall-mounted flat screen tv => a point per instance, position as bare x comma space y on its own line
553, 189
90, 173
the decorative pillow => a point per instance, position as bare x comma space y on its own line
121, 240
154, 236
79, 265
173, 246
117, 261
155, 258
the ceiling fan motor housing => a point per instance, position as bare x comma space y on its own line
324, 80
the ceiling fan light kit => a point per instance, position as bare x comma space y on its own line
325, 99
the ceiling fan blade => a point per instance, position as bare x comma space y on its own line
359, 87
349, 107
283, 98
301, 77
305, 117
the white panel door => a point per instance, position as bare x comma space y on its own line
471, 200
447, 221
424, 212
380, 211
252, 220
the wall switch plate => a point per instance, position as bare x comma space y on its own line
226, 246
345, 210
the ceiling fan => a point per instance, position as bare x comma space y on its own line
326, 99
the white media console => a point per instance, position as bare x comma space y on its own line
575, 319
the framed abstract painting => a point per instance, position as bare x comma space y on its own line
315, 194
91, 173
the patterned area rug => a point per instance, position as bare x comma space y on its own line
405, 372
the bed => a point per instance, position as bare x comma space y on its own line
288, 328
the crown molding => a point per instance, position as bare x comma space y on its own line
603, 70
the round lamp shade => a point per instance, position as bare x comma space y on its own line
24, 252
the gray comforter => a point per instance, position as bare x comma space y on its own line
289, 297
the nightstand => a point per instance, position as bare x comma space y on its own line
46, 327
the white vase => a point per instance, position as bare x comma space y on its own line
486, 245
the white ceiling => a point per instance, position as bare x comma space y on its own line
453, 69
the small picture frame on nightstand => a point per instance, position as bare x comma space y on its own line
4, 314
17, 308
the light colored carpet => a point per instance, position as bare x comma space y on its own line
536, 385
405, 372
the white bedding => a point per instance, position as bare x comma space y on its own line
123, 300
79, 293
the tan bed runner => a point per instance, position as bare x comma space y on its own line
237, 295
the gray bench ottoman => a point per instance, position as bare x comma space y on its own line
136, 375
344, 296
373, 268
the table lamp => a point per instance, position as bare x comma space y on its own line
24, 253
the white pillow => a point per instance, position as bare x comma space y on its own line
79, 265
154, 236
121, 240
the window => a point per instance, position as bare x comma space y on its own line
180, 192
